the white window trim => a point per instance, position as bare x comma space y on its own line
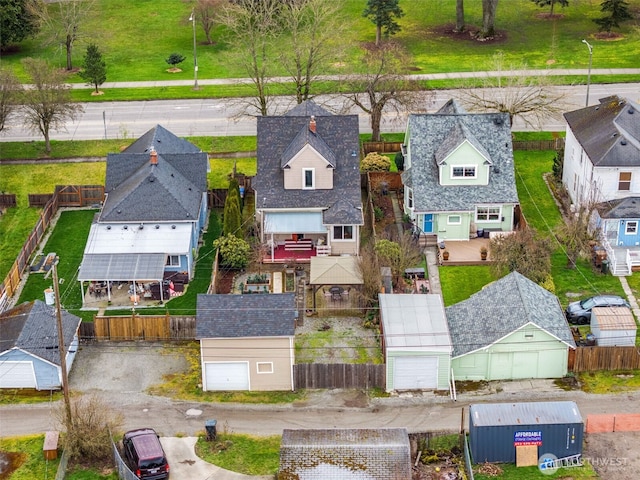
464, 167
304, 178
170, 263
258, 364
410, 198
620, 181
353, 234
488, 220
627, 231
459, 222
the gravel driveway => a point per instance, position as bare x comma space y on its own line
123, 367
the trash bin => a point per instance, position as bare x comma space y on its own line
605, 266
210, 427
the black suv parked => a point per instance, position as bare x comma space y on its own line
144, 454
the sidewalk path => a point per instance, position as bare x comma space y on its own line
425, 76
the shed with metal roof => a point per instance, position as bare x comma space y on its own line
613, 326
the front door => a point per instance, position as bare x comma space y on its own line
427, 226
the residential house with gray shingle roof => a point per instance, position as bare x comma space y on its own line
459, 174
511, 329
247, 341
307, 186
602, 151
29, 347
153, 214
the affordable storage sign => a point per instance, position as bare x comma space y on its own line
527, 438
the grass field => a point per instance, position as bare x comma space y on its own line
139, 36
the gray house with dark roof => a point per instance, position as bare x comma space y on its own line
153, 215
511, 329
29, 351
307, 186
602, 151
247, 341
459, 173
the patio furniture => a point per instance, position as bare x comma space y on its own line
336, 292
298, 245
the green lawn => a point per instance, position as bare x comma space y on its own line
28, 450
139, 36
245, 454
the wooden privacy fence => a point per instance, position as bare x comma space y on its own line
8, 200
338, 375
63, 196
139, 327
554, 144
381, 147
590, 359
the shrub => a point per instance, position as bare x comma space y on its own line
399, 160
234, 251
378, 213
374, 162
175, 59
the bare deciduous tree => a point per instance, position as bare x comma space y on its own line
532, 98
68, 25
575, 232
314, 39
206, 13
384, 85
399, 254
524, 252
253, 25
47, 105
369, 269
489, 8
10, 88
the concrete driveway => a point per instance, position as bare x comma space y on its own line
185, 465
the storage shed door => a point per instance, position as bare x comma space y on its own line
227, 376
415, 373
17, 375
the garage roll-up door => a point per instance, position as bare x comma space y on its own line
227, 376
17, 375
415, 373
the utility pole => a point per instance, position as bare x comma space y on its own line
589, 71
61, 348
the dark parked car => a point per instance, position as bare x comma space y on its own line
144, 454
580, 312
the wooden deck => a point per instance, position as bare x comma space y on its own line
465, 252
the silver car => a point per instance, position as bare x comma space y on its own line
580, 312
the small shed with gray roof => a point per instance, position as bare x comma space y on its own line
247, 341
416, 342
345, 454
511, 329
29, 347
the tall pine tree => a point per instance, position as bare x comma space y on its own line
94, 68
383, 14
616, 11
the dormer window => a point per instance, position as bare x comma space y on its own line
308, 178
463, 171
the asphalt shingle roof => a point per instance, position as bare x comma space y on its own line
501, 308
433, 135
608, 132
279, 137
162, 141
138, 191
250, 315
32, 327
621, 208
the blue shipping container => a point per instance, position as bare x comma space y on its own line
495, 430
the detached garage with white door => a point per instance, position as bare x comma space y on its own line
246, 341
416, 343
29, 353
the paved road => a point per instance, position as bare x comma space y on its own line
224, 117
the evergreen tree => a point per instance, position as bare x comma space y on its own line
383, 13
17, 21
551, 3
232, 221
94, 69
616, 11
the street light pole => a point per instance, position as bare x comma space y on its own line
589, 71
192, 19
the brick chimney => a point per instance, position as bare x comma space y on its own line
153, 158
312, 124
